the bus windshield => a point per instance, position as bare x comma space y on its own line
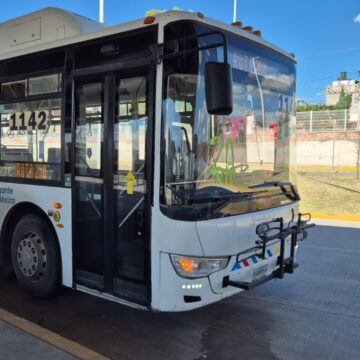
214, 166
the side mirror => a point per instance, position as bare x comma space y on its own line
218, 88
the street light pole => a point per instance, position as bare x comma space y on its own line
101, 11
234, 19
333, 143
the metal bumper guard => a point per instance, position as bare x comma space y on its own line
273, 230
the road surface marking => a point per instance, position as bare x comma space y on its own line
50, 337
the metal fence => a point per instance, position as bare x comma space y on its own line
326, 121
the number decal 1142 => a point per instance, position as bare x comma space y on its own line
29, 120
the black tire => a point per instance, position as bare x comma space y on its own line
36, 257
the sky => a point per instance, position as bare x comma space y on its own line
324, 35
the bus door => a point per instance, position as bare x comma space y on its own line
111, 235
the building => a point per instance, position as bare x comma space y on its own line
351, 87
301, 102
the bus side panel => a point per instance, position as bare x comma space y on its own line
44, 197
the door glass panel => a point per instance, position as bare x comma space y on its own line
89, 129
89, 184
129, 177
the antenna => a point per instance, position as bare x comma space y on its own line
101, 11
234, 19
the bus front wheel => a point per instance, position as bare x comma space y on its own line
36, 257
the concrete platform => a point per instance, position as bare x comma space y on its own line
16, 344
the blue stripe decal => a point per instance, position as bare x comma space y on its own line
254, 259
236, 267
269, 252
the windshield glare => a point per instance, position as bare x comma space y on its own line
208, 158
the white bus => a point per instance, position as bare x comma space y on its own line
147, 163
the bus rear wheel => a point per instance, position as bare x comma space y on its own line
36, 257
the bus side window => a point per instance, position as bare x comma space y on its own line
31, 136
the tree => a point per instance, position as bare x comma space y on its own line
344, 100
316, 108
343, 103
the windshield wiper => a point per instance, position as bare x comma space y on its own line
293, 195
228, 199
220, 204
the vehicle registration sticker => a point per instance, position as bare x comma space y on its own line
259, 272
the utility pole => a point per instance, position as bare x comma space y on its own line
358, 141
358, 151
101, 11
234, 18
333, 143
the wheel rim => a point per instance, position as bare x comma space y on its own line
31, 256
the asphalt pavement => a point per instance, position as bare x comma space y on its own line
312, 314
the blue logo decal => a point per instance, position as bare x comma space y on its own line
236, 267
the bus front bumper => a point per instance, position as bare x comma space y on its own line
241, 273
183, 294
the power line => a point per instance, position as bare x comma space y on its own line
329, 77
339, 51
320, 79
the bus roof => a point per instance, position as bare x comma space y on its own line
52, 27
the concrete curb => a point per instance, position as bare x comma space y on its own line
50, 337
325, 168
337, 217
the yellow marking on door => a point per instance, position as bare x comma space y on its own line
130, 181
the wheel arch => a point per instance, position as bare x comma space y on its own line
11, 219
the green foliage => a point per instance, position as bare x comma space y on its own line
311, 108
344, 100
343, 103
317, 108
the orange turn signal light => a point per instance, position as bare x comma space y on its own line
257, 32
57, 205
248, 28
237, 24
149, 20
60, 226
188, 265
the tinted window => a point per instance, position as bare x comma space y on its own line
31, 139
44, 84
22, 89
14, 90
89, 129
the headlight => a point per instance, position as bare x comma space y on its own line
197, 267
